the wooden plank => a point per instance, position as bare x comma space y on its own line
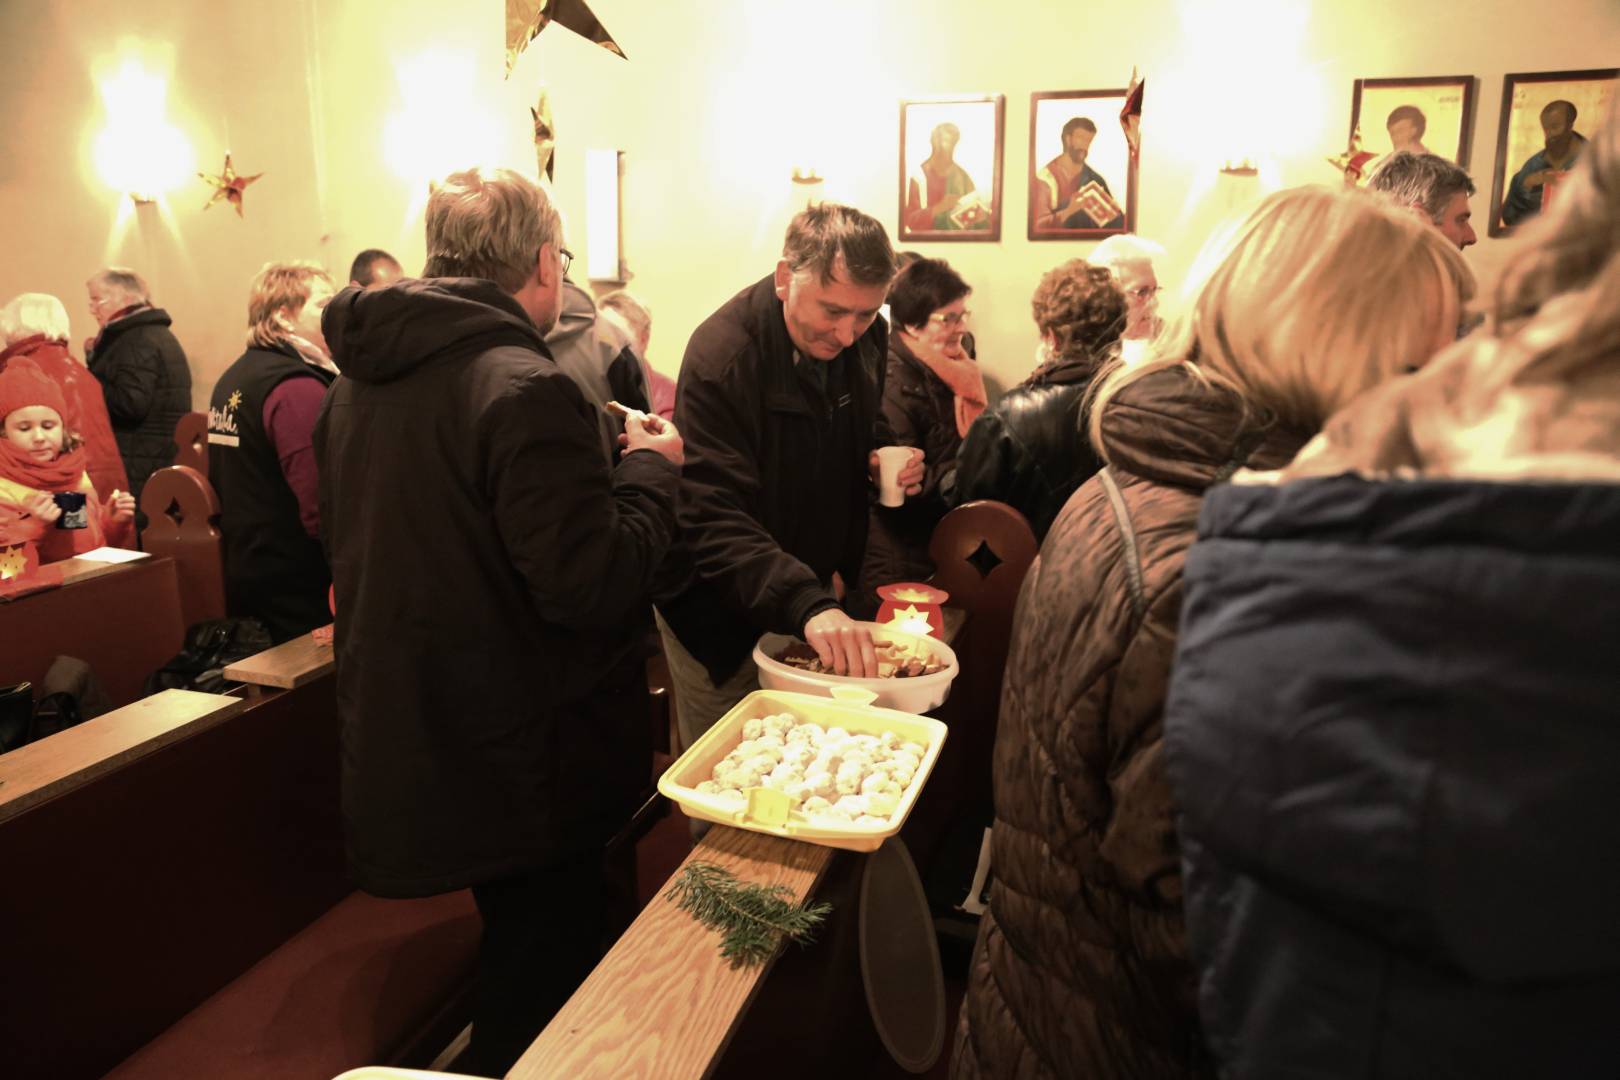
287, 666
70, 758
663, 1002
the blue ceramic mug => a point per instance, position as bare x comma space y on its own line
75, 513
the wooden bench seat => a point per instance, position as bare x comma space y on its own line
363, 982
179, 895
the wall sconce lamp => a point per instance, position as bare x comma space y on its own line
139, 152
807, 187
912, 607
1239, 167
604, 236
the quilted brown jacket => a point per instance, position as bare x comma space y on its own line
1081, 967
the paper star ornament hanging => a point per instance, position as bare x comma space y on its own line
1130, 116
525, 19
228, 185
545, 134
1352, 164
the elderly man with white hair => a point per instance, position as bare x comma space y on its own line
35, 325
1130, 259
142, 370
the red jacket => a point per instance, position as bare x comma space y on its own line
87, 419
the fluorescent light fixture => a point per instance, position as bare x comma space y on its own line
604, 247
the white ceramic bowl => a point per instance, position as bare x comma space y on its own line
916, 695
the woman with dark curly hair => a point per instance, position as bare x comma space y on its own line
1029, 450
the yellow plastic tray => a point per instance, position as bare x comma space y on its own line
847, 709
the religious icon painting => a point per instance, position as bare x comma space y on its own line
1544, 115
1082, 174
1430, 115
950, 168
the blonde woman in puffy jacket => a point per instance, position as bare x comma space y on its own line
1082, 968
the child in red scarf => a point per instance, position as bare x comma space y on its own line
35, 464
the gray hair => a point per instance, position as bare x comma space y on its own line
1124, 249
631, 310
33, 313
828, 235
1427, 181
488, 224
121, 279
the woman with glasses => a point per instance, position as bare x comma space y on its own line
1130, 259
1029, 451
932, 392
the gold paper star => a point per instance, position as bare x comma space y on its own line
910, 596
13, 563
228, 185
525, 19
909, 618
545, 134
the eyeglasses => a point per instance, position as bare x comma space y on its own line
567, 259
951, 319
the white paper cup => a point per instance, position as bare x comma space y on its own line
891, 460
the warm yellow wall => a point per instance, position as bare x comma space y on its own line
719, 99
232, 66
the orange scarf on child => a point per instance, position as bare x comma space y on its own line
61, 474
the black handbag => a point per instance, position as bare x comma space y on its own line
16, 715
70, 694
209, 646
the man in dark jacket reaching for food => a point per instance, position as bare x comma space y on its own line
780, 395
489, 564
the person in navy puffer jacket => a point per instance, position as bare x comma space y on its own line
1393, 731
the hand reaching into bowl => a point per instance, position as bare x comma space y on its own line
844, 646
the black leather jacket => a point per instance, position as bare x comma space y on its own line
1030, 449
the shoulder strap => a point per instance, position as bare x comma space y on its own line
1133, 559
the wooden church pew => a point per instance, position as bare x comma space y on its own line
180, 907
182, 523
191, 442
982, 551
123, 619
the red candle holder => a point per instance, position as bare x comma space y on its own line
913, 607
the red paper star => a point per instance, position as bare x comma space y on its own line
1352, 164
228, 185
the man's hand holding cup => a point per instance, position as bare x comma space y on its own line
897, 471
